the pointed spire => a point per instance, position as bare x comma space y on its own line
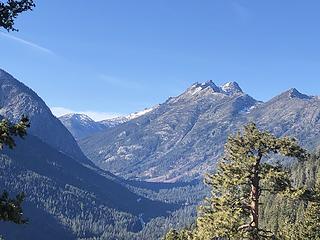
231, 88
294, 93
211, 84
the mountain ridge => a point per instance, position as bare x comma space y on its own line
183, 138
16, 99
78, 199
82, 126
176, 118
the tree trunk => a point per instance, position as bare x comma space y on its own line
255, 194
255, 206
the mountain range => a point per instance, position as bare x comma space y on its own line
133, 177
17, 100
82, 126
183, 138
68, 197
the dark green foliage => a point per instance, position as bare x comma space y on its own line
81, 200
232, 212
11, 208
294, 218
8, 131
10, 10
243, 178
188, 193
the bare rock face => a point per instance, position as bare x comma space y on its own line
183, 138
291, 114
180, 139
16, 100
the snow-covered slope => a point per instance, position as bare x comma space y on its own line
112, 122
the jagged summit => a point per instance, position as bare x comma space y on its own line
229, 88
185, 136
294, 93
211, 84
196, 87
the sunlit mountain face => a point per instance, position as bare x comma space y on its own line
183, 138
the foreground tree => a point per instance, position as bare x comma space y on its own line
8, 131
232, 211
10, 208
11, 9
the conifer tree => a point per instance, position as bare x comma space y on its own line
8, 131
10, 208
242, 176
10, 10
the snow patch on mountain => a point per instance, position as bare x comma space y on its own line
81, 125
209, 87
231, 88
112, 122
82, 118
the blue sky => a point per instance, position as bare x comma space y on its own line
110, 57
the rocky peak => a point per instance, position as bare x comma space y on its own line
211, 84
77, 117
292, 93
231, 88
81, 125
197, 87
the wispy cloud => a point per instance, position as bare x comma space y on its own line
27, 43
97, 116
